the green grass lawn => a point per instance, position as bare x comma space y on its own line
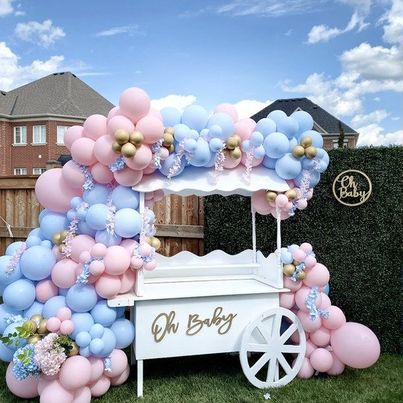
219, 379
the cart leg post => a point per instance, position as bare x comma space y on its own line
139, 378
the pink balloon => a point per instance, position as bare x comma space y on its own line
244, 128
150, 265
82, 151
97, 267
116, 260
45, 290
281, 200
310, 194
100, 387
119, 363
336, 318
295, 337
310, 262
321, 360
145, 249
229, 109
310, 348
306, 247
142, 158
127, 279
84, 256
79, 244
135, 103
308, 324
136, 263
103, 150
164, 153
318, 276
320, 337
94, 126
64, 313
108, 286
58, 199
158, 195
67, 327
128, 177
98, 251
55, 392
230, 163
115, 111
64, 273
292, 285
101, 173
72, 175
156, 113
53, 324
118, 380
259, 202
57, 254
287, 300
82, 395
337, 368
355, 345
129, 245
151, 128
72, 367
97, 368
119, 122
299, 254
306, 370
27, 388
301, 204
325, 301
72, 134
151, 168
301, 296
255, 161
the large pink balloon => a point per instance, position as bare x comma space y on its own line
229, 109
101, 173
82, 151
301, 297
336, 318
64, 273
72, 367
320, 337
259, 202
127, 279
45, 290
101, 386
79, 244
72, 134
82, 395
119, 122
134, 102
108, 286
97, 368
355, 345
128, 177
53, 192
230, 163
103, 150
306, 370
116, 260
119, 363
151, 128
321, 360
244, 128
118, 380
27, 388
115, 111
54, 392
142, 158
72, 175
308, 324
318, 276
94, 126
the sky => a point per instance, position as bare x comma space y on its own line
344, 55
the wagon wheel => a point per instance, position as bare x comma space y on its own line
266, 345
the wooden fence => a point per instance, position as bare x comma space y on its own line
180, 220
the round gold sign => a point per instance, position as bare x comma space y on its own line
352, 187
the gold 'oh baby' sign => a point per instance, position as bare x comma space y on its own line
352, 188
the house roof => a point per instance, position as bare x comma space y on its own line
56, 94
326, 121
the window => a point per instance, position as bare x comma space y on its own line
61, 130
39, 135
38, 171
20, 171
20, 135
336, 143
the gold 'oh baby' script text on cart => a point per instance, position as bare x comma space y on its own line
164, 323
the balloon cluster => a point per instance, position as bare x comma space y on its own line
332, 342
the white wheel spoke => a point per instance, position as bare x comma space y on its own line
290, 348
275, 331
257, 348
263, 332
288, 333
283, 362
260, 363
272, 371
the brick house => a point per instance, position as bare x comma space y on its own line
325, 123
34, 117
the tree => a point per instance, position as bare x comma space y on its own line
341, 135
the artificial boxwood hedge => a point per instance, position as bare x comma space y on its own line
361, 246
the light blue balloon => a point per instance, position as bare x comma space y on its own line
245, 146
47, 244
202, 154
35, 309
215, 144
52, 305
292, 248
107, 239
216, 131
276, 145
43, 214
97, 216
286, 256
314, 178
288, 126
71, 215
81, 298
124, 332
109, 340
82, 323
6, 354
33, 241
195, 116
269, 163
256, 139
288, 167
307, 163
17, 342
181, 132
127, 222
63, 291
5, 276
83, 339
97, 195
317, 139
81, 213
36, 232
224, 121
13, 247
326, 289
170, 116
190, 145
304, 119
5, 312
85, 352
19, 295
259, 152
37, 263
96, 346
276, 115
125, 197
212, 161
169, 162
2, 288
265, 126
104, 314
84, 228
120, 311
75, 202
292, 143
52, 223
193, 134
97, 330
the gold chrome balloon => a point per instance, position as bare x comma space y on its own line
128, 150
235, 153
56, 238
306, 141
30, 326
311, 152
74, 350
136, 138
271, 196
42, 327
291, 194
231, 142
168, 139
298, 151
238, 139
301, 275
37, 319
116, 147
155, 243
288, 269
34, 339
121, 136
295, 262
169, 130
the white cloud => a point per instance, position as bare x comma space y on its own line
374, 135
393, 19
123, 29
177, 101
44, 34
248, 107
322, 33
19, 13
6, 7
373, 117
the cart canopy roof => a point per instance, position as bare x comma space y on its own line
205, 181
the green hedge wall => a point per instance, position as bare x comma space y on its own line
361, 246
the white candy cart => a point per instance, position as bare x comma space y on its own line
217, 303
